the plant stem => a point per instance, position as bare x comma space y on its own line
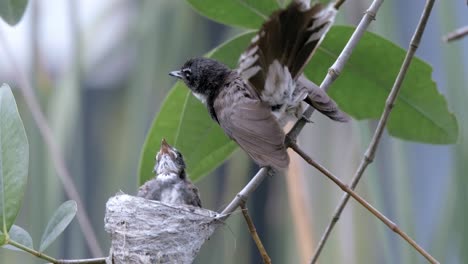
32, 251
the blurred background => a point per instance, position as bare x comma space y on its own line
99, 70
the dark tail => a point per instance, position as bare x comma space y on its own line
289, 36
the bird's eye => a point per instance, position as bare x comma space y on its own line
187, 73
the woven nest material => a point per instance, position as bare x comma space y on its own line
145, 231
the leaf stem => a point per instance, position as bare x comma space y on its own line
32, 251
53, 260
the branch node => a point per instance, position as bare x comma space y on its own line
242, 197
334, 73
369, 157
371, 14
394, 227
414, 44
336, 218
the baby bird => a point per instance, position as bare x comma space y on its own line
171, 184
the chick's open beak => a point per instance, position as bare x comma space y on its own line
177, 74
165, 148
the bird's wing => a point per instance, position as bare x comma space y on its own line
320, 100
195, 201
289, 36
252, 125
151, 190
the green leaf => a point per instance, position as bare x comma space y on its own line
14, 160
57, 223
12, 10
420, 112
242, 13
185, 123
21, 236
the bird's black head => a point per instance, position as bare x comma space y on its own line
169, 160
202, 75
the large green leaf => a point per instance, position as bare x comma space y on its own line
57, 223
12, 10
243, 13
14, 159
420, 113
185, 123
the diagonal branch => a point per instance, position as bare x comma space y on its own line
363, 202
370, 152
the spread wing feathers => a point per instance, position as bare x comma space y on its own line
290, 36
252, 125
320, 100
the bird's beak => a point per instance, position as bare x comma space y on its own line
177, 74
164, 147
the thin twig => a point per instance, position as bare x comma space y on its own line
456, 34
363, 202
82, 261
54, 150
254, 234
370, 152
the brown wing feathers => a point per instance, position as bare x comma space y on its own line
291, 36
286, 37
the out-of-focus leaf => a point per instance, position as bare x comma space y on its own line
185, 123
57, 223
12, 10
14, 160
21, 236
242, 13
420, 113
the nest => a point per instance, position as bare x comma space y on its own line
146, 231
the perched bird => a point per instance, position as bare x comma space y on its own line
171, 184
253, 102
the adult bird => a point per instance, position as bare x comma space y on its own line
254, 101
